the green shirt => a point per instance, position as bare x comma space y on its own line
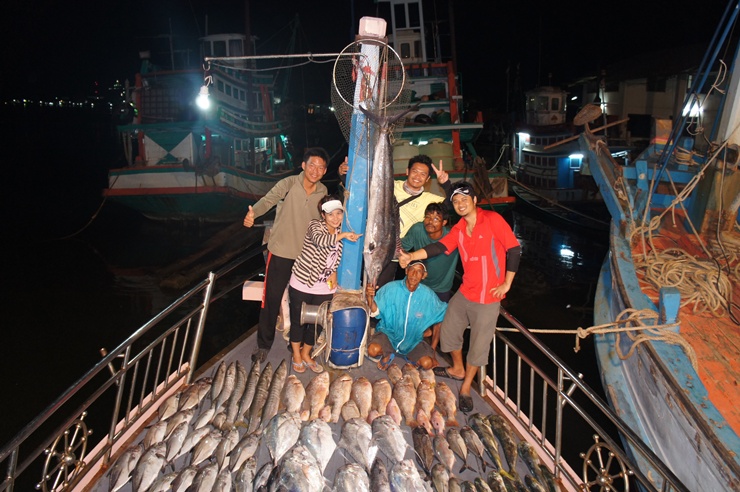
440, 268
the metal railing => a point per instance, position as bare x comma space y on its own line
531, 386
544, 398
153, 363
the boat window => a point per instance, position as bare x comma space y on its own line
542, 102
220, 86
400, 16
236, 47
555, 104
405, 50
219, 48
414, 16
228, 90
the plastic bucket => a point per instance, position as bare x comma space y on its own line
347, 334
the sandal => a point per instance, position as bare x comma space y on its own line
465, 404
299, 367
314, 366
384, 364
444, 373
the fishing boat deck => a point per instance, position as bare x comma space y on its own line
242, 349
715, 338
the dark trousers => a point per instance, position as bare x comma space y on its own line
306, 333
277, 276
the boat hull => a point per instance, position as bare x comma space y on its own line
173, 193
656, 391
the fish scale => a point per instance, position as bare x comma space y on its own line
260, 395
273, 393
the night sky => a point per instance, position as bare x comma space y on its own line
53, 48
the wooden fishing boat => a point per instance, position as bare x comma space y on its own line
668, 287
201, 164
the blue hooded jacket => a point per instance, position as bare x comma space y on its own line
404, 316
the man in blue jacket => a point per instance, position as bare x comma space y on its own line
407, 311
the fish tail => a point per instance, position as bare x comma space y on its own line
452, 422
412, 423
467, 467
482, 465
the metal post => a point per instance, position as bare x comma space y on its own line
201, 325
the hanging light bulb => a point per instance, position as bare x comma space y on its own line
202, 100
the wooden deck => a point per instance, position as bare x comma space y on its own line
715, 337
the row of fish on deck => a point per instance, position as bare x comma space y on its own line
210, 432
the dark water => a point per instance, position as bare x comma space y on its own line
71, 287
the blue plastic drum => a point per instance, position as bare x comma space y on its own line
348, 329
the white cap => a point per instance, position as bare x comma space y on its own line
331, 206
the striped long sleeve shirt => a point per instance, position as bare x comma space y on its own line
320, 255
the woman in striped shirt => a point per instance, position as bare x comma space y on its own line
314, 277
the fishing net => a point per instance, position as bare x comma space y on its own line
381, 76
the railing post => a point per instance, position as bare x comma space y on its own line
559, 422
121, 382
201, 326
12, 465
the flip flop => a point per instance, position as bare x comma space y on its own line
314, 366
465, 404
299, 367
383, 364
444, 373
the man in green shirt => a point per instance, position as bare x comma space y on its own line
441, 268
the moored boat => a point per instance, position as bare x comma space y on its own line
668, 287
205, 164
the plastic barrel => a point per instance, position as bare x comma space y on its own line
347, 332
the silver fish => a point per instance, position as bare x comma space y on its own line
533, 484
194, 394
468, 486
388, 437
351, 477
163, 483
174, 442
232, 405
218, 420
549, 478
177, 419
458, 446
379, 481
244, 476
121, 471
155, 433
316, 392
496, 482
382, 394
218, 381
481, 485
356, 439
405, 477
244, 449
260, 478
169, 407
281, 433
424, 450
260, 396
475, 445
252, 380
299, 470
454, 484
501, 429
192, 439
382, 230
229, 442
317, 437
223, 481
184, 479
273, 394
339, 394
444, 453
204, 418
293, 394
440, 478
228, 387
149, 466
206, 446
362, 394
205, 478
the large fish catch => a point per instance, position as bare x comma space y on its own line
381, 233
